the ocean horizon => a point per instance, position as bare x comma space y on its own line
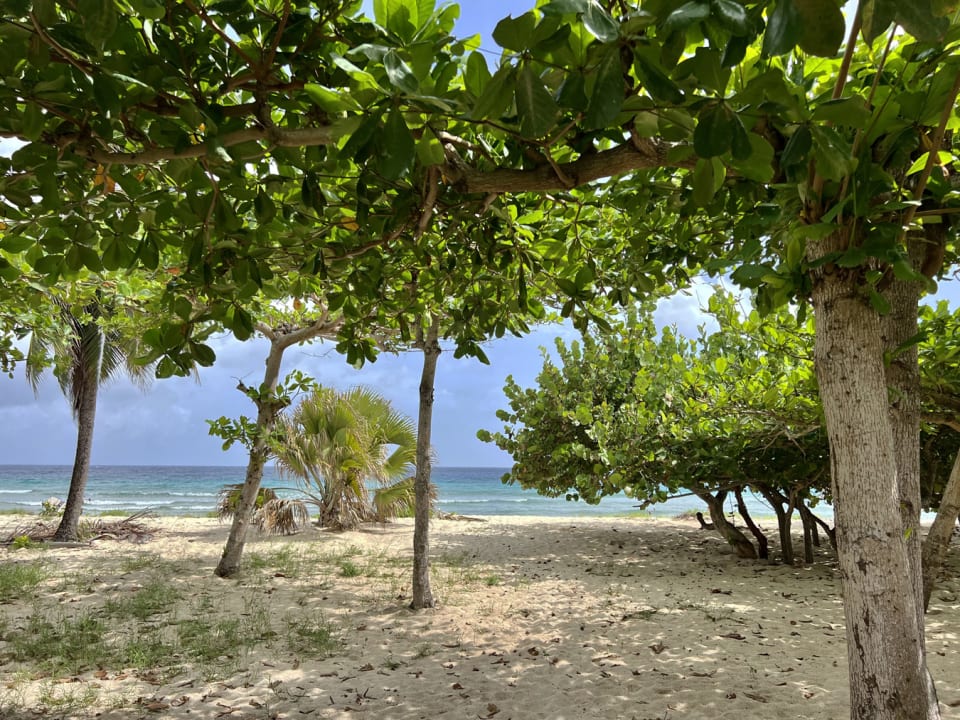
192, 490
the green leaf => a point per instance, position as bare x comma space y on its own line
704, 182
497, 95
919, 19
879, 302
740, 145
535, 106
33, 121
685, 15
876, 16
429, 149
758, 166
714, 132
565, 7
399, 73
822, 27
331, 101
150, 9
476, 76
783, 28
607, 96
833, 154
397, 147
202, 354
732, 16
599, 22
797, 149
515, 33
655, 81
851, 112
99, 21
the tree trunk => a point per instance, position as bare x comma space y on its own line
743, 547
937, 542
903, 382
763, 551
86, 411
888, 673
267, 411
422, 595
809, 527
784, 520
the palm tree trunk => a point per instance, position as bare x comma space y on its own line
422, 596
86, 410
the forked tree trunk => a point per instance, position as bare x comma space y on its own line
743, 547
888, 673
784, 520
763, 551
422, 595
937, 542
268, 410
810, 536
68, 529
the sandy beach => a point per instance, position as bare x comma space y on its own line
538, 618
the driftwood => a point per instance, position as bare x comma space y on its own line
128, 529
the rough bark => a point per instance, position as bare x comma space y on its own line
86, 412
810, 536
422, 595
808, 530
903, 382
888, 674
937, 542
268, 408
763, 551
784, 520
743, 547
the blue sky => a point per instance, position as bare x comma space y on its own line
166, 425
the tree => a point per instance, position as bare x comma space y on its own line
270, 399
335, 442
651, 413
86, 354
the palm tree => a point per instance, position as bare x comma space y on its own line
85, 355
335, 442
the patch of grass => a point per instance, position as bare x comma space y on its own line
18, 580
312, 635
491, 580
349, 569
23, 542
283, 560
67, 697
15, 511
424, 650
61, 644
156, 597
139, 561
117, 512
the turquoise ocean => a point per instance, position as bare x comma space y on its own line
172, 490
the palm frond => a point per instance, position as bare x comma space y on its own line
282, 516
398, 499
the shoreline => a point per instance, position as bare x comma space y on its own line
541, 617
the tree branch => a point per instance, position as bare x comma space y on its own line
646, 155
275, 137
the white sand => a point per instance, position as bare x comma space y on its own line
538, 618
